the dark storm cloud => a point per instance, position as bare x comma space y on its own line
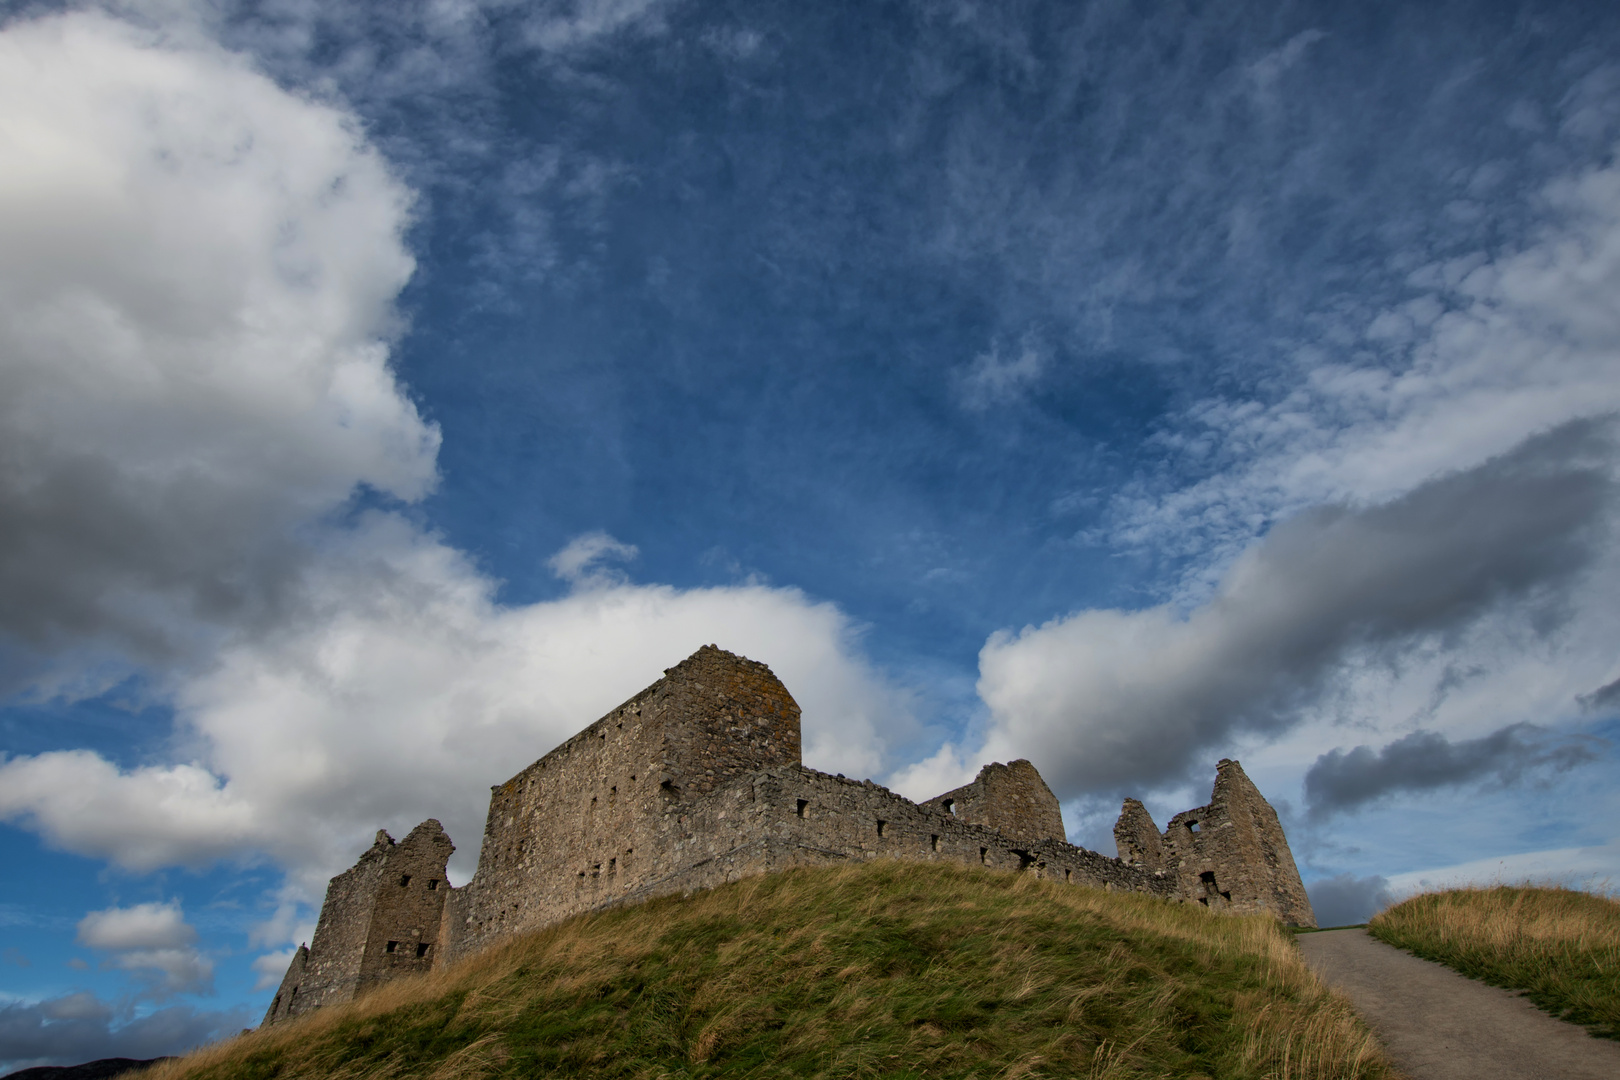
81, 1027
1425, 760
1347, 900
88, 552
1605, 698
1329, 584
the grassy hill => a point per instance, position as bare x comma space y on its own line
879, 969
1560, 946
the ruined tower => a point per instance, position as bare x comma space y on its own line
1230, 854
591, 821
381, 919
1012, 798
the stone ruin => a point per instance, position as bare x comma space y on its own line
697, 781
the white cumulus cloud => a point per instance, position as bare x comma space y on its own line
197, 278
152, 940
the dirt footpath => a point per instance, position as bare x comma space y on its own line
1439, 1025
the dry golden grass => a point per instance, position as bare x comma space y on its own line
1559, 945
879, 969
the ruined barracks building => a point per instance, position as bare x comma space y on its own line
697, 781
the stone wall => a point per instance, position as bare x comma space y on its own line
783, 817
1137, 839
697, 781
1011, 797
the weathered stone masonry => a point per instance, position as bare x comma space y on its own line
697, 781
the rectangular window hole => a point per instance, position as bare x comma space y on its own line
1066, 876
881, 826
421, 949
802, 804
1192, 826
433, 886
392, 946
933, 841
984, 855
404, 880
949, 806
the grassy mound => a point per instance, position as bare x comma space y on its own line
1560, 946
878, 969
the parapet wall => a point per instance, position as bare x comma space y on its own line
697, 781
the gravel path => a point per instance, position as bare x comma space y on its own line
1439, 1025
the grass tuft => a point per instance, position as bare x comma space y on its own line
1560, 946
879, 969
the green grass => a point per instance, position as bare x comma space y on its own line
880, 969
1560, 946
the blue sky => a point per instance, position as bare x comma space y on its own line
386, 390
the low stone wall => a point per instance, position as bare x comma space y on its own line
775, 819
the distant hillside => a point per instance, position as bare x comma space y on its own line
102, 1069
877, 969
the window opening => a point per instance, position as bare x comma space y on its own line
1192, 826
404, 880
802, 804
1066, 877
933, 842
881, 826
949, 806
984, 853
392, 946
421, 950
433, 886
